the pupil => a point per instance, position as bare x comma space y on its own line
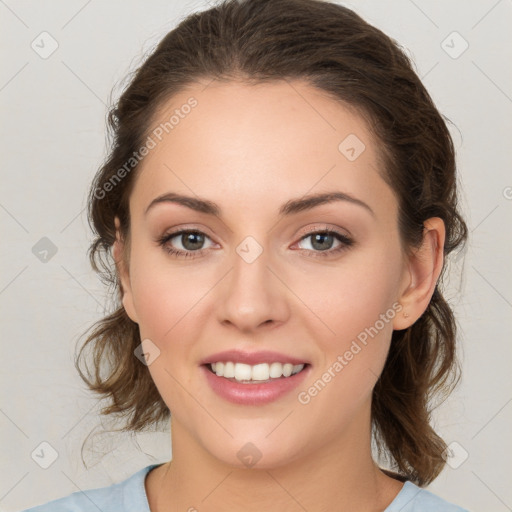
322, 237
188, 240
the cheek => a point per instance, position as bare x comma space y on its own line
358, 308
352, 295
169, 305
166, 297
354, 305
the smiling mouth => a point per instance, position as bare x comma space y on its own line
257, 374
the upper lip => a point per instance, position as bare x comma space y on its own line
252, 358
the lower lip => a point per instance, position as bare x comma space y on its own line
253, 393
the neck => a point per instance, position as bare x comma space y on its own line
340, 476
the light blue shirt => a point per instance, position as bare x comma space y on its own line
130, 496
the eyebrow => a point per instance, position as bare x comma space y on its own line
291, 207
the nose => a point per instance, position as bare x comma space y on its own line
253, 295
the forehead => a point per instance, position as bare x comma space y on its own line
253, 145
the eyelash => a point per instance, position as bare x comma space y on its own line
178, 253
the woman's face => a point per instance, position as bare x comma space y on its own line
256, 278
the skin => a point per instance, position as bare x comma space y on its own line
250, 149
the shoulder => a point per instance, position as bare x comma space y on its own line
126, 496
415, 499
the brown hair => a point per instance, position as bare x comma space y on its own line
333, 49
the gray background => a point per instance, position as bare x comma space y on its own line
53, 140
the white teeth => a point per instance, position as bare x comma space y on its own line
242, 371
258, 372
276, 370
287, 369
229, 370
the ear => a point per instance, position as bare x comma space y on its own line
424, 267
121, 261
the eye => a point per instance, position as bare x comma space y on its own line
190, 241
322, 241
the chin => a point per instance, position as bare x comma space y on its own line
257, 451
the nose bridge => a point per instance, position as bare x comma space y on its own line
252, 294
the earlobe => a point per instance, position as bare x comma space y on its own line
118, 252
424, 267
